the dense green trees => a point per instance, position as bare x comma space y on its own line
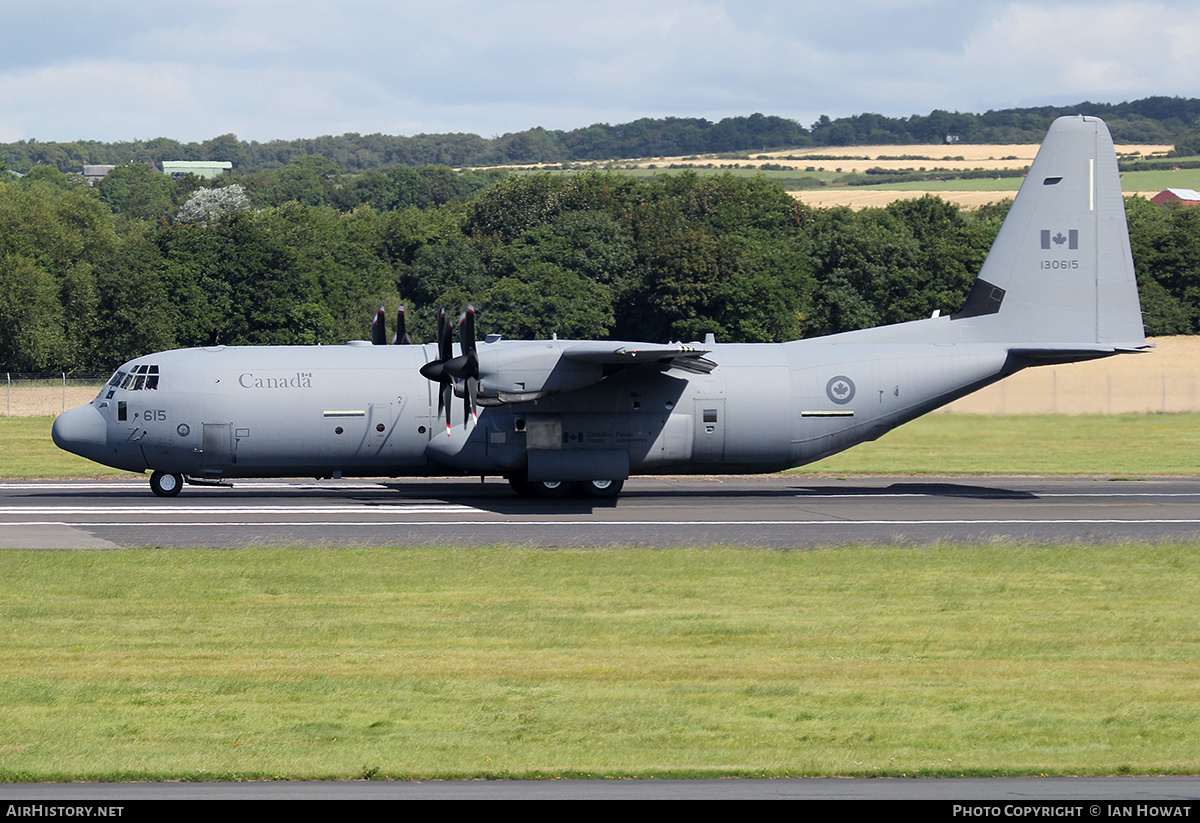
92, 277
1152, 120
1166, 249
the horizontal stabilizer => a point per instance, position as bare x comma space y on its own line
1072, 354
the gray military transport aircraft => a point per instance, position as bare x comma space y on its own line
555, 415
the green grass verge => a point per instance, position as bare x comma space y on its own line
1120, 445
27, 452
1136, 445
510, 662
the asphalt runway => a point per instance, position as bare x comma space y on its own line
778, 512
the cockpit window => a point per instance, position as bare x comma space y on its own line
139, 378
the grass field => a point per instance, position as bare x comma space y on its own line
1126, 445
507, 662
26, 452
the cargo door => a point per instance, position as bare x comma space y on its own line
218, 448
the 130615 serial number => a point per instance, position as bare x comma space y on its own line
1060, 264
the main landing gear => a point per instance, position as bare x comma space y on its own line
551, 489
166, 484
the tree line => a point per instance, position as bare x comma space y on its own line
1165, 120
90, 277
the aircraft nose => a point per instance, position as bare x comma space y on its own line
81, 431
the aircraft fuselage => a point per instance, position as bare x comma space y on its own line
234, 412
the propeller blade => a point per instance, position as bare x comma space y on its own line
445, 337
435, 370
466, 366
379, 328
469, 400
466, 330
401, 337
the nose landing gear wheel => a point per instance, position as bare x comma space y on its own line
165, 484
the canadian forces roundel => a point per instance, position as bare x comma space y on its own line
840, 389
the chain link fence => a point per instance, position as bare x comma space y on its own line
47, 395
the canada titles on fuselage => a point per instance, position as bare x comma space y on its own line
299, 380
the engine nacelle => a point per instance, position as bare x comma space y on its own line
521, 371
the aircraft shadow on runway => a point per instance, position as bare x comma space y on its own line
500, 499
919, 490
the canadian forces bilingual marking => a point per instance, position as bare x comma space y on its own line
1106, 810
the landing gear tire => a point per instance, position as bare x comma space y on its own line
546, 489
550, 489
165, 484
603, 489
521, 486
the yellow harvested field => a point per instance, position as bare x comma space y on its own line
41, 400
862, 198
956, 157
1163, 380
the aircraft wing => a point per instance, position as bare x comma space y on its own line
524, 371
626, 355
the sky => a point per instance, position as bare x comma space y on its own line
284, 69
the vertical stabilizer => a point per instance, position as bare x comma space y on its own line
1060, 273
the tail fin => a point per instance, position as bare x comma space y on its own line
1060, 274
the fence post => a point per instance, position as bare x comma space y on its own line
64, 405
8, 379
